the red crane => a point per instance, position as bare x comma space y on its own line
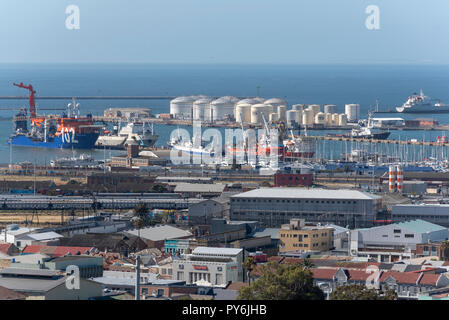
31, 98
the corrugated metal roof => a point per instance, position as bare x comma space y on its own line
160, 233
198, 187
216, 250
420, 226
302, 193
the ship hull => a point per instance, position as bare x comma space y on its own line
80, 141
424, 109
375, 136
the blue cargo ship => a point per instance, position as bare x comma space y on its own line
69, 131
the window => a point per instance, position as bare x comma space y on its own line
181, 266
396, 231
409, 235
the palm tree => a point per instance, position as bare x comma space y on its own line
249, 264
141, 216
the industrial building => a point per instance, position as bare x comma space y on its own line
395, 241
209, 265
297, 236
433, 213
276, 206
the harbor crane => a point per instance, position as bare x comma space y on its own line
31, 97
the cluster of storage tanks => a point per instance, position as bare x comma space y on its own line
254, 110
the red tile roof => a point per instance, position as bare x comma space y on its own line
237, 286
400, 277
357, 275
56, 251
323, 273
429, 279
4, 247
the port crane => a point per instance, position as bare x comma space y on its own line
33, 116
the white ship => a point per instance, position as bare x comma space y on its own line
190, 147
368, 131
139, 131
83, 161
422, 104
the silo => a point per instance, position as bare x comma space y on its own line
320, 118
342, 120
330, 108
328, 117
276, 102
298, 107
223, 108
256, 113
335, 119
281, 112
243, 113
292, 116
181, 107
259, 99
201, 109
307, 117
315, 108
273, 117
352, 111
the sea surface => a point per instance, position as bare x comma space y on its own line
308, 84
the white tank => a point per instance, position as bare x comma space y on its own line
342, 119
352, 112
315, 108
335, 119
292, 116
320, 118
307, 117
328, 117
256, 113
259, 99
223, 108
276, 102
330, 108
243, 113
298, 107
281, 112
181, 107
273, 117
201, 109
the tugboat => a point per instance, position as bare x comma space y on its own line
368, 131
69, 131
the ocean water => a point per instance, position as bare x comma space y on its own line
311, 84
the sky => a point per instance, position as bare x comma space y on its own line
225, 31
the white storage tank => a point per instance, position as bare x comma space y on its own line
273, 117
201, 109
243, 113
335, 119
281, 112
320, 118
330, 108
181, 107
299, 107
315, 108
256, 113
307, 117
328, 117
342, 120
223, 108
352, 112
276, 102
292, 116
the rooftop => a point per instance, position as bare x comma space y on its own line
159, 233
198, 187
302, 193
420, 226
216, 250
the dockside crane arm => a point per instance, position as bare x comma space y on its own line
31, 97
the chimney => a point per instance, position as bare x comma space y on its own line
400, 178
137, 293
391, 179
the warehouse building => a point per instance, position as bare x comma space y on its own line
273, 207
434, 213
396, 241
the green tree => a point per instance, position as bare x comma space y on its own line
282, 282
361, 292
141, 216
249, 264
307, 264
158, 188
